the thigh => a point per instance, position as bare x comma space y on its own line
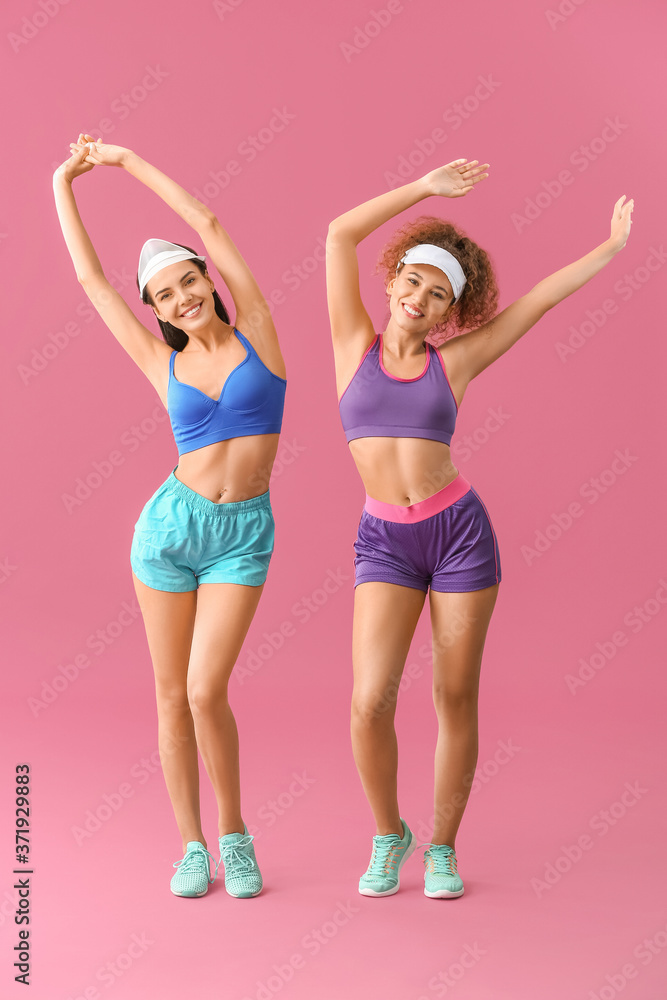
224, 614
385, 618
459, 623
169, 622
389, 552
238, 546
166, 543
464, 546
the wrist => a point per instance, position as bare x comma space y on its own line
426, 184
61, 177
127, 156
612, 246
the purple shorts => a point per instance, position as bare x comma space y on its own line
446, 542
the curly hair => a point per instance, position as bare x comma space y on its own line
173, 335
479, 299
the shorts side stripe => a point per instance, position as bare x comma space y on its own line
496, 550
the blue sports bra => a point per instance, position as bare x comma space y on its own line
378, 404
251, 402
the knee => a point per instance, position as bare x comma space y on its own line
172, 701
459, 701
373, 708
207, 700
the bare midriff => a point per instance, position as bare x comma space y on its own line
402, 471
230, 471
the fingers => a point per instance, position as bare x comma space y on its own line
83, 139
478, 173
619, 207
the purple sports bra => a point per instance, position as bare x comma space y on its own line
377, 404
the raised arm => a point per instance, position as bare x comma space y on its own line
351, 327
145, 349
253, 315
475, 351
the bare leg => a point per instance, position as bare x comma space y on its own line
169, 621
224, 614
385, 617
459, 623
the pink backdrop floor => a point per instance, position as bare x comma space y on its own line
321, 107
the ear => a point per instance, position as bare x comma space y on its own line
390, 286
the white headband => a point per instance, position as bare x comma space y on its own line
428, 253
156, 254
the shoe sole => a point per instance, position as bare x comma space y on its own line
190, 895
443, 893
243, 895
390, 892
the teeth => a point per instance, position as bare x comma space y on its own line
191, 311
412, 312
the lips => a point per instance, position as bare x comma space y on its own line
185, 314
416, 312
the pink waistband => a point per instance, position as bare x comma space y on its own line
445, 497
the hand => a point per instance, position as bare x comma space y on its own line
102, 154
76, 164
456, 178
620, 222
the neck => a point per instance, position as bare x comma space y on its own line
401, 343
210, 338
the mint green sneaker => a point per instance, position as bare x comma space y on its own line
390, 853
242, 875
441, 877
194, 873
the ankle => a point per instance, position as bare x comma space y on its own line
225, 830
443, 842
388, 829
199, 839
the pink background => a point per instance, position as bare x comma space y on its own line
218, 75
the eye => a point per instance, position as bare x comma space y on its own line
413, 281
189, 280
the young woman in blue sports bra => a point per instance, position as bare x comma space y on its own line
423, 525
203, 541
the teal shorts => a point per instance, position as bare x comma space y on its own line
183, 539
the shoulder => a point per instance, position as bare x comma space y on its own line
349, 358
267, 349
451, 355
453, 364
266, 358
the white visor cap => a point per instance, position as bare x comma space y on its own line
156, 254
428, 253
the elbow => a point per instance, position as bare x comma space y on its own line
202, 216
339, 225
544, 297
338, 232
91, 280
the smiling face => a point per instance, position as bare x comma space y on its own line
419, 297
177, 290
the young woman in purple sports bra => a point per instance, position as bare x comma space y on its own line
203, 541
423, 525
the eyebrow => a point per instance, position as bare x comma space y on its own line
169, 286
421, 276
